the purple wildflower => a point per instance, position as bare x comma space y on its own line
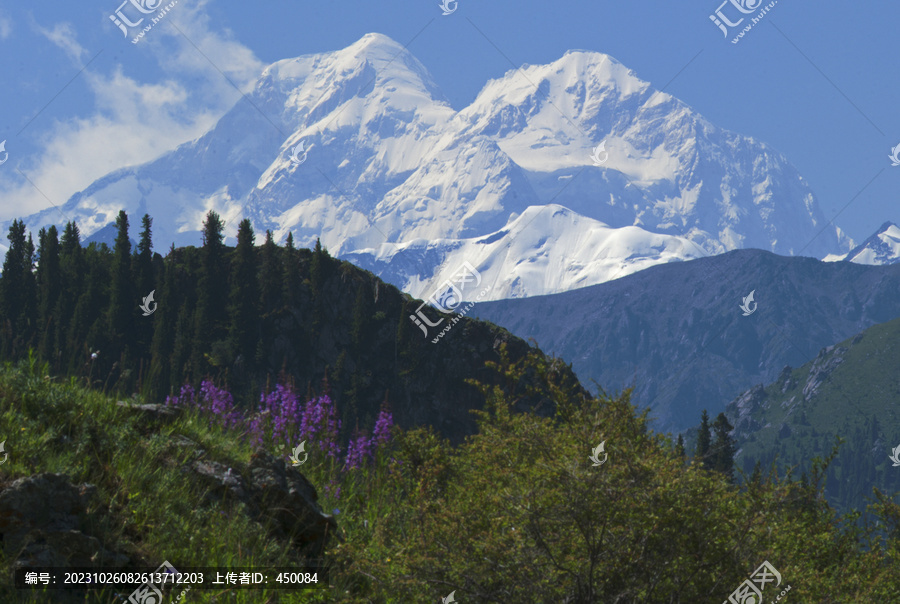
357, 451
383, 427
212, 402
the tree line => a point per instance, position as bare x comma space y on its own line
78, 308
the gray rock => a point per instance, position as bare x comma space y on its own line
39, 523
277, 496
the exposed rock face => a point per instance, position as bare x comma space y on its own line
824, 364
744, 407
279, 497
40, 521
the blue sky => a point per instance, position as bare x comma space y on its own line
819, 85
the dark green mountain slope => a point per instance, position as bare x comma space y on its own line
851, 390
677, 334
244, 318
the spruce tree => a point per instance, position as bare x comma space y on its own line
244, 295
158, 382
12, 289
49, 282
122, 299
72, 268
722, 449
212, 298
701, 453
271, 276
85, 334
142, 269
29, 296
679, 448
317, 268
292, 278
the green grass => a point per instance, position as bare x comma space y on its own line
515, 514
146, 506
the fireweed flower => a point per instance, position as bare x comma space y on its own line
383, 425
279, 416
212, 402
319, 423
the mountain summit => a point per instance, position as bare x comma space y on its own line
881, 248
389, 174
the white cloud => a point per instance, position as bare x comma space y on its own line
63, 35
135, 121
5, 26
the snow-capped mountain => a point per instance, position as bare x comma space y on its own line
391, 176
881, 248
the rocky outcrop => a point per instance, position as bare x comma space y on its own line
279, 497
825, 363
40, 520
742, 410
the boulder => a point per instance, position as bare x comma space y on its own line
39, 524
290, 502
277, 496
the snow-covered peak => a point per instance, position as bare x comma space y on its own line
375, 72
881, 248
544, 249
557, 176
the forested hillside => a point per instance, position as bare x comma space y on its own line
847, 395
245, 318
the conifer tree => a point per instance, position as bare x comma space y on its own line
271, 276
72, 268
142, 269
679, 448
317, 268
12, 289
158, 383
317, 275
701, 453
121, 307
722, 449
49, 282
30, 310
292, 278
244, 295
85, 334
212, 296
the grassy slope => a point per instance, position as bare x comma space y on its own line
516, 514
